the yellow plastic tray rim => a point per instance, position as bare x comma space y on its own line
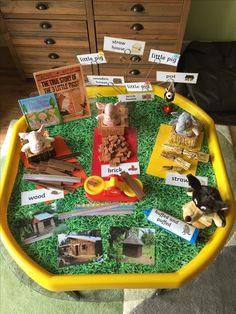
120, 281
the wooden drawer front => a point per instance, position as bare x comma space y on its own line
47, 55
52, 26
29, 69
159, 9
135, 72
18, 8
52, 41
125, 30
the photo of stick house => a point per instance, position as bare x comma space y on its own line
132, 245
41, 226
79, 248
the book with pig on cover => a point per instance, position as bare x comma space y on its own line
40, 110
67, 83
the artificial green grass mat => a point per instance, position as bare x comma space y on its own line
171, 252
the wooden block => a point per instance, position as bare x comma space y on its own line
133, 184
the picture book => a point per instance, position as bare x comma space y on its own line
40, 110
67, 83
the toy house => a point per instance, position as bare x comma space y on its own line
132, 246
43, 223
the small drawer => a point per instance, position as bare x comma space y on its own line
154, 30
29, 69
158, 9
53, 41
39, 8
45, 26
50, 55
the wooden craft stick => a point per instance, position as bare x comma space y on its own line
60, 164
133, 184
48, 177
68, 156
54, 171
47, 186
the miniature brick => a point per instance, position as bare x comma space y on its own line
113, 147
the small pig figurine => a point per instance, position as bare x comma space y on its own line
206, 205
110, 115
38, 142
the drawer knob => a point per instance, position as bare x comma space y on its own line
134, 72
137, 27
137, 8
49, 41
53, 56
45, 25
41, 6
135, 59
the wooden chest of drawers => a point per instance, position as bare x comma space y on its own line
47, 34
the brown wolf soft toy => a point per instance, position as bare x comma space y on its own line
206, 205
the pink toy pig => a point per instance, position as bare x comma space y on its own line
110, 115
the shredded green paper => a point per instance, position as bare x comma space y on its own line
171, 252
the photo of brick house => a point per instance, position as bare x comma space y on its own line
78, 248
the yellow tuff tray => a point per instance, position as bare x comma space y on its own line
110, 281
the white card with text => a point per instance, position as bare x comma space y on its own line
173, 225
40, 195
92, 58
135, 97
106, 80
138, 87
177, 77
121, 45
163, 57
173, 178
130, 167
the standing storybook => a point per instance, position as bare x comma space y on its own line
67, 83
40, 110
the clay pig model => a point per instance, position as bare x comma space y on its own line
206, 205
37, 141
186, 124
110, 115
